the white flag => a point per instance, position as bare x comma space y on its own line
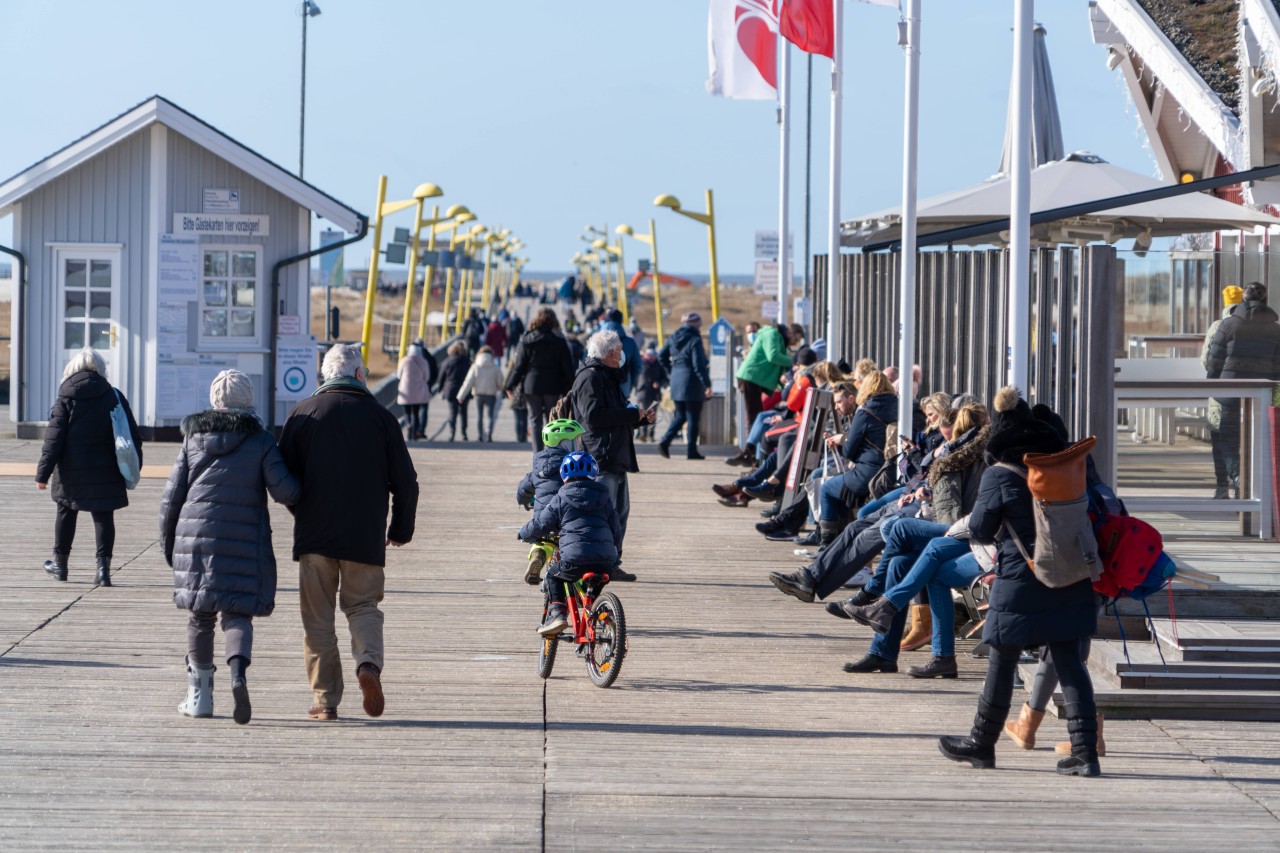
742, 49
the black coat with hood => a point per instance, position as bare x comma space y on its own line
864, 442
582, 513
453, 373
1023, 611
215, 526
686, 362
599, 406
78, 459
543, 364
542, 482
1246, 345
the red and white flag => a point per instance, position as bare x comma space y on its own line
808, 23
742, 49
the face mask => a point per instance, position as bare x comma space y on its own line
751, 337
622, 359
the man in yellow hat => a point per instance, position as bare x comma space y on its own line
1232, 296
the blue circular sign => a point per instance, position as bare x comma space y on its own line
294, 379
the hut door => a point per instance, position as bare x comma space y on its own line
88, 303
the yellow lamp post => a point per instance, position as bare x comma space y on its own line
615, 251
652, 239
381, 209
448, 276
455, 215
419, 224
708, 219
470, 248
492, 242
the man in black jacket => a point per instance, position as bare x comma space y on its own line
1246, 346
348, 452
609, 422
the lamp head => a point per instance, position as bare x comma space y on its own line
665, 200
598, 244
466, 217
477, 231
455, 211
427, 191
624, 229
310, 9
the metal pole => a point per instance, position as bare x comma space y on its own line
657, 282
907, 284
408, 286
808, 174
784, 177
448, 281
715, 274
302, 111
429, 278
622, 287
833, 194
371, 288
1019, 318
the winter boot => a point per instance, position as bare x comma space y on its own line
1064, 748
979, 748
796, 583
921, 628
939, 666
878, 615
199, 701
56, 568
829, 531
104, 573
243, 711
1023, 730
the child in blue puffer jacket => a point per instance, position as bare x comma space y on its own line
540, 485
590, 534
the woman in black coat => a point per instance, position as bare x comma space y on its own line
78, 461
453, 373
862, 446
686, 362
543, 370
1024, 612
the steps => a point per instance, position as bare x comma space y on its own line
1213, 670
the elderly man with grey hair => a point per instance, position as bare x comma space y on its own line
348, 451
603, 411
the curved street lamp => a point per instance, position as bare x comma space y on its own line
708, 219
652, 239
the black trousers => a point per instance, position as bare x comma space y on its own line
64, 534
1077, 693
1225, 444
690, 412
456, 409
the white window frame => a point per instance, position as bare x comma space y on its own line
234, 344
113, 252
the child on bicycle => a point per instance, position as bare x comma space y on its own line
542, 482
590, 535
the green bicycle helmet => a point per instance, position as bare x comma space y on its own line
559, 430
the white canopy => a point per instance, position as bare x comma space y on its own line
1075, 179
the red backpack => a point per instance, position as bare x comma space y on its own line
1128, 548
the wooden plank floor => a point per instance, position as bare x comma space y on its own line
731, 727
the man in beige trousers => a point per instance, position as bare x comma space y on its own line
353, 463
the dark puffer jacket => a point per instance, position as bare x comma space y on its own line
599, 406
954, 478
79, 454
582, 513
1246, 345
686, 361
543, 364
215, 528
864, 443
452, 374
540, 485
1023, 612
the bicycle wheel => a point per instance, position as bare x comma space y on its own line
547, 657
605, 653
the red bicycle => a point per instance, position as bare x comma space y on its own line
597, 628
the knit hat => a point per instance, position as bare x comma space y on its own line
1232, 295
1015, 431
231, 389
693, 318
614, 316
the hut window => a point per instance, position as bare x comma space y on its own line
228, 294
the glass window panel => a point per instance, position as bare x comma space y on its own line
100, 335
100, 306
215, 293
75, 304
74, 336
244, 264
215, 323
75, 273
242, 322
215, 263
100, 274
242, 294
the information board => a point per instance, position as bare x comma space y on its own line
296, 362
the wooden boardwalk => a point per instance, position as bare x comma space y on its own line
731, 727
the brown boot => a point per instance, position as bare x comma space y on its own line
921, 628
1064, 748
728, 490
1023, 729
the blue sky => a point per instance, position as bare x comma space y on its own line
543, 117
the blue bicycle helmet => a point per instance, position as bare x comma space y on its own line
579, 463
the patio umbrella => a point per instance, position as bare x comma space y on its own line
1078, 178
1046, 126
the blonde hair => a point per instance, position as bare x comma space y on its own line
972, 416
939, 401
827, 372
863, 367
87, 359
458, 348
873, 384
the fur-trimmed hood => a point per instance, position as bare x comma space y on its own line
218, 433
962, 457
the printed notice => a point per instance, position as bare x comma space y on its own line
179, 267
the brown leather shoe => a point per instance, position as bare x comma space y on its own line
727, 490
735, 501
320, 712
371, 687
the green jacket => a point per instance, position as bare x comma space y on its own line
766, 359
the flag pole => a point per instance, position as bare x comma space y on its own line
907, 281
1019, 318
833, 195
784, 176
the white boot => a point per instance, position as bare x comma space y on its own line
199, 702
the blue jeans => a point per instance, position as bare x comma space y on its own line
830, 499
872, 506
944, 565
887, 645
756, 436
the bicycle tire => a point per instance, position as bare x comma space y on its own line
606, 653
547, 657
